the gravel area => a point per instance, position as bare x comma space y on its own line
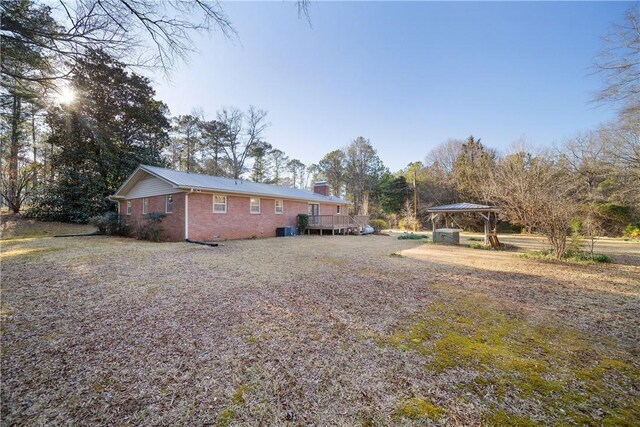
281, 331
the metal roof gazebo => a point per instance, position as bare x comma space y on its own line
484, 211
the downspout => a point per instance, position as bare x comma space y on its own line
186, 215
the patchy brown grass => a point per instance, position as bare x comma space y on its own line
15, 227
312, 330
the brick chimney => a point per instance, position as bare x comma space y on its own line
321, 188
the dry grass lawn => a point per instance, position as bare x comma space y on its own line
312, 331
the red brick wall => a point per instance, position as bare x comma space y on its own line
237, 223
330, 209
172, 224
321, 189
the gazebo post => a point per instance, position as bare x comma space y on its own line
487, 227
495, 224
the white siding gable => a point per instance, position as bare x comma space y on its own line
150, 186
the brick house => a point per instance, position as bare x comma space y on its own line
203, 207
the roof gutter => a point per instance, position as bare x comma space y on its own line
238, 193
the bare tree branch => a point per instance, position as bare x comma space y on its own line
619, 63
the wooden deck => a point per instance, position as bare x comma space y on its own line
342, 224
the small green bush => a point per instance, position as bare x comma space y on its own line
111, 224
580, 256
501, 247
479, 246
303, 222
379, 225
575, 242
632, 231
475, 239
150, 229
412, 236
586, 256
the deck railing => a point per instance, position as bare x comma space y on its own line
334, 222
361, 220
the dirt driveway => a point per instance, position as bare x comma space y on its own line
345, 330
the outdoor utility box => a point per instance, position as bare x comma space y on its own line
449, 236
286, 231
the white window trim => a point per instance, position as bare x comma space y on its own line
259, 207
129, 207
276, 206
338, 210
145, 206
213, 206
166, 203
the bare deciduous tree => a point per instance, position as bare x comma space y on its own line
16, 188
146, 33
534, 193
623, 140
619, 63
242, 132
586, 156
444, 156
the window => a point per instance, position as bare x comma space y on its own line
169, 208
338, 209
254, 205
129, 208
145, 206
314, 209
219, 204
279, 206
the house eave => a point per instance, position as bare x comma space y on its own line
191, 189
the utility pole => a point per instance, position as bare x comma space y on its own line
415, 200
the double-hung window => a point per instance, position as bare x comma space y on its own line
219, 204
145, 206
169, 203
254, 205
279, 206
338, 209
129, 208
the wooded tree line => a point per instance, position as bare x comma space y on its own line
591, 178
63, 159
232, 145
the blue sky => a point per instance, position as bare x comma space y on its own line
406, 75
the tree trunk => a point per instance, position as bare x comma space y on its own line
365, 203
14, 151
33, 141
